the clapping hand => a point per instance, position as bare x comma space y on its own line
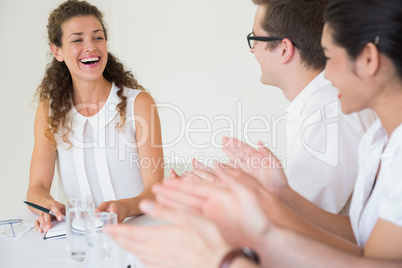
237, 205
189, 241
199, 173
261, 164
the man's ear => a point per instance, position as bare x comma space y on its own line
369, 59
56, 52
287, 51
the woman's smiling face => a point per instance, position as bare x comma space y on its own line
344, 74
84, 48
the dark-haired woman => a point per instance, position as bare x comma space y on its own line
94, 120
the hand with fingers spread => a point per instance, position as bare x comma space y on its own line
44, 221
261, 164
189, 241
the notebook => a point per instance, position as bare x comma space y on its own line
57, 231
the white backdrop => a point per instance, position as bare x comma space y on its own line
191, 55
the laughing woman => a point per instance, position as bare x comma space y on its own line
94, 122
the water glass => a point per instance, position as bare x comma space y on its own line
77, 209
102, 250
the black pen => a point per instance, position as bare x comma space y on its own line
48, 211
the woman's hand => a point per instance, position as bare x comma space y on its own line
237, 205
261, 164
44, 221
199, 173
119, 207
239, 210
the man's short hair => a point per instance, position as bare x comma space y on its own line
302, 22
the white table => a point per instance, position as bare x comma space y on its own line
31, 251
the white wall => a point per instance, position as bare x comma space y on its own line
191, 55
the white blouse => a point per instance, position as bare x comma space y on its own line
103, 161
384, 199
322, 145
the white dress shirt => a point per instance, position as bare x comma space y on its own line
103, 161
384, 200
322, 145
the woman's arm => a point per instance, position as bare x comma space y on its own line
42, 171
240, 203
285, 216
334, 223
149, 137
385, 241
149, 142
284, 248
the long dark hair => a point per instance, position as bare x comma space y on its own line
355, 23
57, 86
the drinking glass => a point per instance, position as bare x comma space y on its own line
102, 251
77, 209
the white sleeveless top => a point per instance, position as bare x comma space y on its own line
103, 161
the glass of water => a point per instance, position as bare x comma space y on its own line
77, 209
102, 251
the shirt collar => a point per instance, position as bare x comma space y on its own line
297, 104
102, 118
377, 137
393, 142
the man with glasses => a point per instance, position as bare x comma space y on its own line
321, 141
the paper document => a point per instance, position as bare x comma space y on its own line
16, 230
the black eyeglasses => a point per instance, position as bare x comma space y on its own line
251, 38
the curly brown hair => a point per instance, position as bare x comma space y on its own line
57, 86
